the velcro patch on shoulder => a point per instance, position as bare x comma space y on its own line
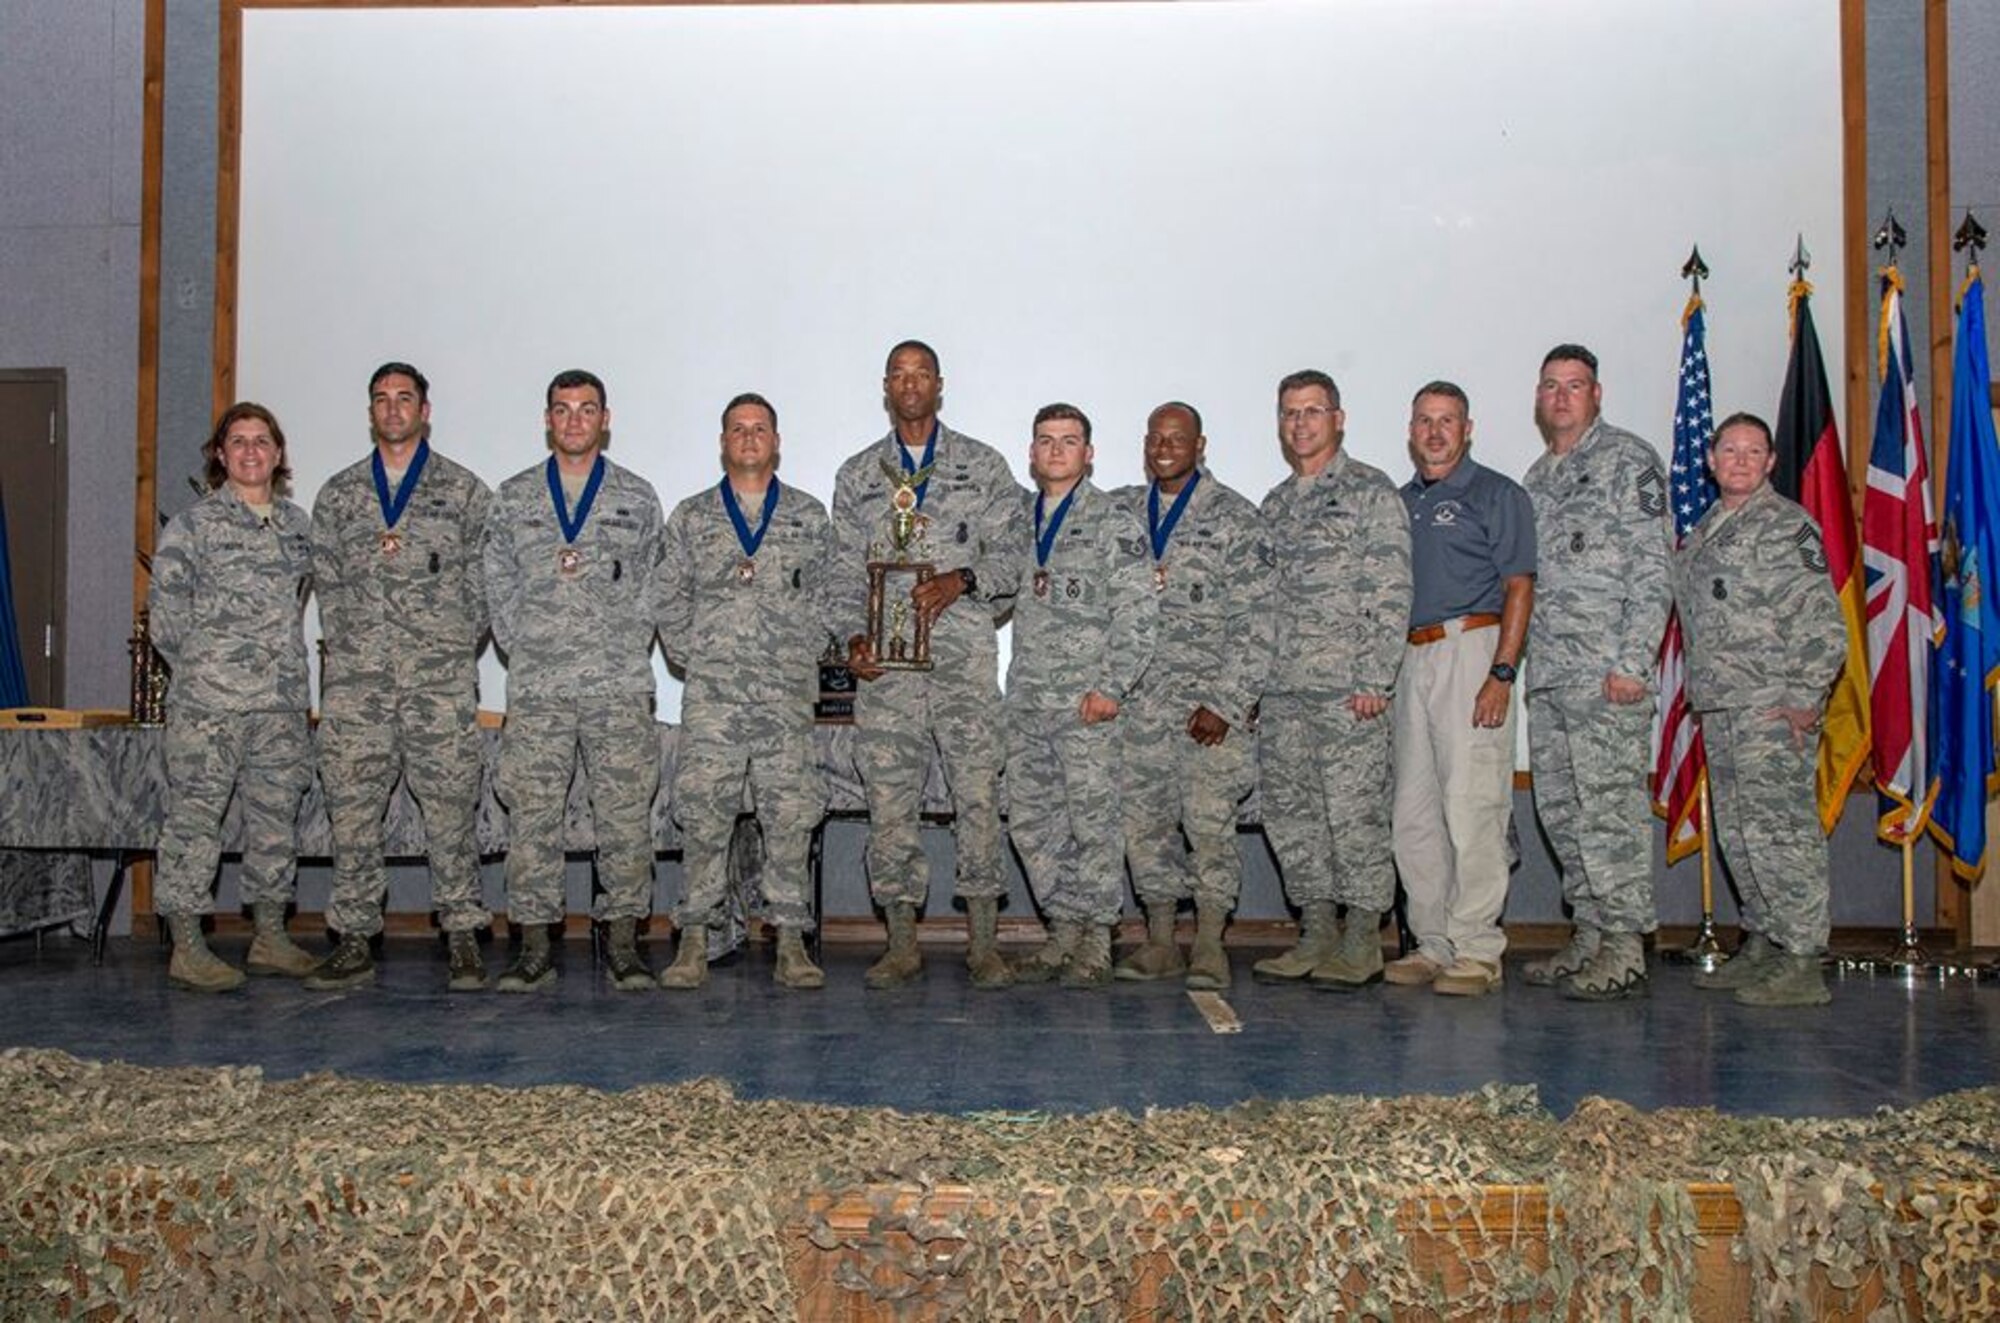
1652, 493
1812, 554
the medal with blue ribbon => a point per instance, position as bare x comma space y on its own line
1045, 537
394, 503
750, 541
569, 561
921, 470
1163, 530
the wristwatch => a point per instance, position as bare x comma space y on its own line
970, 581
1503, 672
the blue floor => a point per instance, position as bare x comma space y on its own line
942, 1046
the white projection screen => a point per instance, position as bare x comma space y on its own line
1111, 204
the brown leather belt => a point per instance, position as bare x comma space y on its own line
1432, 633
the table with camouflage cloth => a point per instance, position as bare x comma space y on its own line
104, 789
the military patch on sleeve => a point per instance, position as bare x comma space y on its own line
1811, 553
1652, 493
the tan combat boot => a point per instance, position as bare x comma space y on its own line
795, 968
1318, 927
193, 966
1045, 963
1355, 961
272, 950
902, 962
982, 957
1089, 962
1615, 973
1159, 956
1208, 963
1564, 964
690, 967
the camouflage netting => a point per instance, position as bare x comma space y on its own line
176, 1194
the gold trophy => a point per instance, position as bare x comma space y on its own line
900, 635
149, 675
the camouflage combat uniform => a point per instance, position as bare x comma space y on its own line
227, 604
1342, 543
1213, 650
748, 644
972, 510
1600, 607
403, 612
1084, 620
1764, 630
579, 680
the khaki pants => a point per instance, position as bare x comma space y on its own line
1454, 797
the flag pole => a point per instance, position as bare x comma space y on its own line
1706, 953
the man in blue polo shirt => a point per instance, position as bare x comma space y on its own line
1472, 545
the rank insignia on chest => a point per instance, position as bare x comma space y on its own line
1194, 593
1073, 589
1576, 542
964, 534
1720, 589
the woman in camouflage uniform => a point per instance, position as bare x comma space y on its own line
230, 578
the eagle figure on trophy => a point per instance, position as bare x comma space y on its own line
906, 522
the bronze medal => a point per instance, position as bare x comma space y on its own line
569, 562
1160, 576
390, 543
747, 571
1041, 583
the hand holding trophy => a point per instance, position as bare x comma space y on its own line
899, 636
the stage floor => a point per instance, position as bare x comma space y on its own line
941, 1046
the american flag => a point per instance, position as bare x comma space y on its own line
1680, 763
1899, 547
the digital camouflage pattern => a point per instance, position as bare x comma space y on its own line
578, 646
1601, 561
1342, 613
1764, 631
584, 634
206, 1193
1213, 649
971, 513
1600, 608
1084, 621
227, 605
399, 682
748, 647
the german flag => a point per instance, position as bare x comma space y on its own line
1812, 472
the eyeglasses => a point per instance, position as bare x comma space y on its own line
1312, 413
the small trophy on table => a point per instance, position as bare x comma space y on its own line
899, 634
149, 674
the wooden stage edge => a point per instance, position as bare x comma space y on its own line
1453, 1243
